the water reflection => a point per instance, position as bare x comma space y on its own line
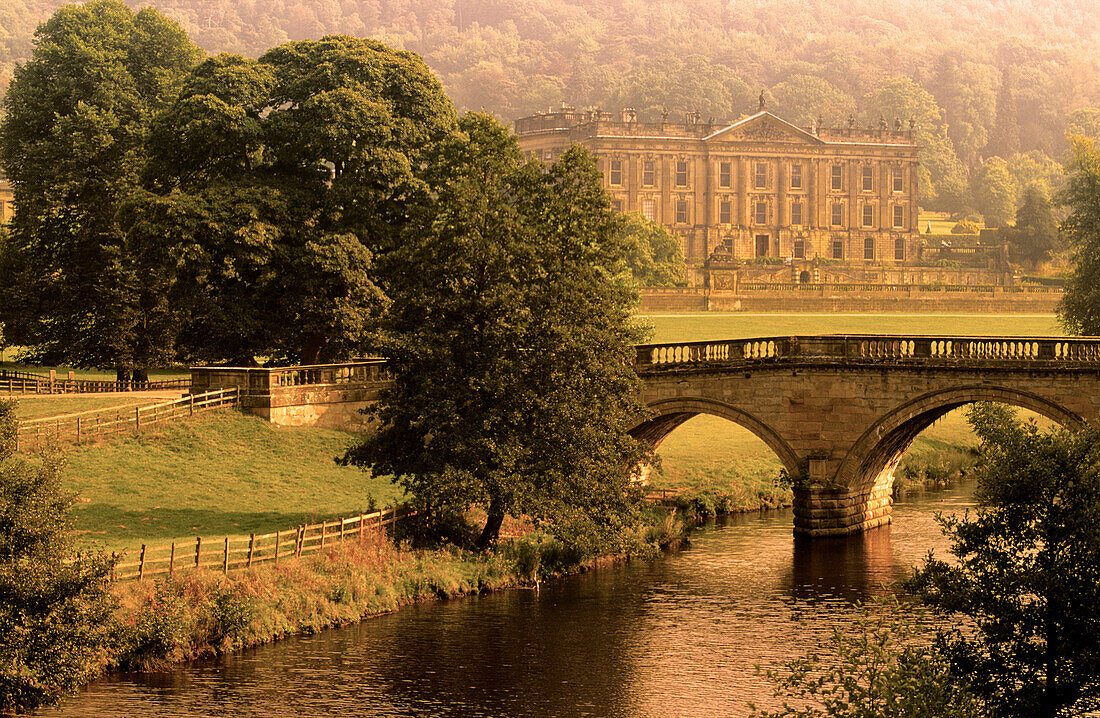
854, 569
679, 636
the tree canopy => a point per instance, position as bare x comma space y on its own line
1027, 571
277, 182
72, 144
653, 254
510, 342
1080, 306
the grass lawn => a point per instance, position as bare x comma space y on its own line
8, 361
734, 325
37, 406
224, 473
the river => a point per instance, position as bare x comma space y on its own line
677, 636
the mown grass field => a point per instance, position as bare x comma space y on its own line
222, 474
37, 406
735, 325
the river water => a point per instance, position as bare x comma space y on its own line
677, 636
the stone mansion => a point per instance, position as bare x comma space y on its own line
760, 187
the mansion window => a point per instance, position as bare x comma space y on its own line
548, 155
838, 249
868, 215
649, 173
761, 213
681, 211
796, 176
896, 180
725, 174
800, 249
899, 216
649, 209
796, 213
869, 248
837, 215
725, 212
681, 173
837, 181
868, 178
617, 205
760, 176
899, 249
616, 172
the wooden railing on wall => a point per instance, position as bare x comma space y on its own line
234, 553
37, 434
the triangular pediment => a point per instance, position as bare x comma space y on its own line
764, 127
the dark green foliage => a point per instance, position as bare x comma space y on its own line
54, 605
277, 182
1027, 575
653, 253
72, 144
1035, 235
1080, 307
510, 341
881, 666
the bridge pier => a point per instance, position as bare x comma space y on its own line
822, 511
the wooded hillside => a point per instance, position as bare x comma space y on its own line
1006, 75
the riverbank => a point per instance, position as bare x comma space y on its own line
202, 613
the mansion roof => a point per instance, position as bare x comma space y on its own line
760, 127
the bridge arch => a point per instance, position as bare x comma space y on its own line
671, 413
872, 459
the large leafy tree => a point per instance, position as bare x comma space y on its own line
1035, 235
995, 190
278, 181
1080, 307
653, 254
1028, 570
55, 609
510, 341
72, 142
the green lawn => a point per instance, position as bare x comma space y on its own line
225, 473
8, 357
734, 325
36, 406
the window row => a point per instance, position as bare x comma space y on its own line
761, 213
759, 177
798, 248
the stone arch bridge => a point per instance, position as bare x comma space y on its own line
839, 411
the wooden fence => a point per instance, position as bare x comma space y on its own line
18, 382
233, 553
36, 434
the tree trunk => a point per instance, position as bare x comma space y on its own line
311, 351
141, 375
122, 376
491, 531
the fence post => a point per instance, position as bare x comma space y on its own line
276, 548
141, 563
301, 540
225, 557
78, 429
362, 519
172, 560
324, 526
198, 549
191, 404
251, 546
137, 419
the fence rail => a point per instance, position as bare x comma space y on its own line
17, 382
1004, 351
36, 434
234, 553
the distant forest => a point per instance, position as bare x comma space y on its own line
1000, 79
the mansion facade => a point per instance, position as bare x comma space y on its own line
760, 187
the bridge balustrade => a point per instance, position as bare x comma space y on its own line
875, 348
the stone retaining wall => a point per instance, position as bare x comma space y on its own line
696, 300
